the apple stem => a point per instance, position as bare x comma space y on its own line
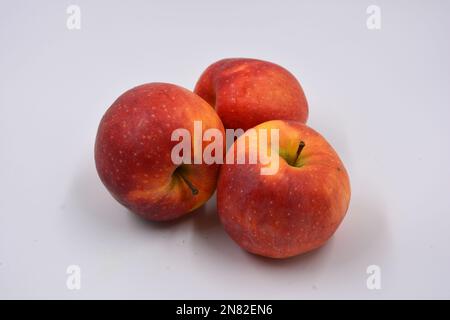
189, 184
301, 145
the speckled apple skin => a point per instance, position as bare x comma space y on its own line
133, 151
247, 92
294, 211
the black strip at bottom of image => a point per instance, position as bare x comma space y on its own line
228, 309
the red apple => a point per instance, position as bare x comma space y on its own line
295, 210
247, 92
133, 151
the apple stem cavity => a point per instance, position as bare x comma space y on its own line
301, 145
189, 184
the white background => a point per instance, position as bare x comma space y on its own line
381, 97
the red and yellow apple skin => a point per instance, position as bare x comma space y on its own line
133, 151
293, 211
247, 92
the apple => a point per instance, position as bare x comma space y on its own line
294, 210
133, 151
247, 92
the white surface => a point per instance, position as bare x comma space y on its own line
380, 97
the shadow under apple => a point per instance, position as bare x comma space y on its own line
362, 232
359, 236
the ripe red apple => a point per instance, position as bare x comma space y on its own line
293, 211
247, 92
133, 151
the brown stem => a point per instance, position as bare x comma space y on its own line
189, 184
301, 145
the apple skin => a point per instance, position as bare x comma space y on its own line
247, 92
133, 151
293, 211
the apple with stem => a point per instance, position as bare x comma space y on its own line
134, 145
296, 209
